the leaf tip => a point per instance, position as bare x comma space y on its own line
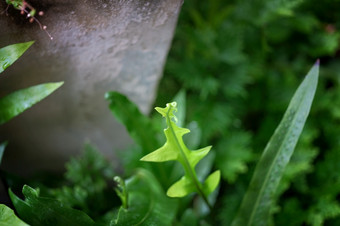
172, 193
143, 159
111, 94
30, 43
60, 83
317, 63
159, 109
212, 182
168, 110
56, 85
107, 95
151, 157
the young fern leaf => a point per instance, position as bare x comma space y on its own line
175, 149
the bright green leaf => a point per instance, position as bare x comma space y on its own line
211, 182
9, 54
7, 217
175, 149
37, 210
181, 188
17, 102
255, 207
147, 204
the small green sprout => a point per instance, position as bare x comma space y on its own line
175, 150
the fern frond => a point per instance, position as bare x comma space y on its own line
175, 149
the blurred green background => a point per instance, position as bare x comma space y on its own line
240, 63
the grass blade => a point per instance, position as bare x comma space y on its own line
9, 54
19, 101
255, 207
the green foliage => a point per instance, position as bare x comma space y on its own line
148, 205
135, 122
9, 54
143, 199
239, 63
121, 191
8, 217
325, 208
19, 101
86, 184
174, 149
84, 194
142, 130
36, 210
256, 205
232, 161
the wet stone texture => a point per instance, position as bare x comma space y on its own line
97, 46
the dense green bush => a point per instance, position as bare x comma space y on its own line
239, 61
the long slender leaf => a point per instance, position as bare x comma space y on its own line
255, 207
17, 102
37, 210
138, 125
9, 54
7, 217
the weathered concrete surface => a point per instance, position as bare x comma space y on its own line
98, 46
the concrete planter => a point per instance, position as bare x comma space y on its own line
98, 46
